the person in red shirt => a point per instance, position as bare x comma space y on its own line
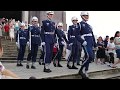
6, 30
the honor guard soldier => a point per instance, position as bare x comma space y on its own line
48, 35
88, 36
34, 42
62, 42
21, 41
73, 34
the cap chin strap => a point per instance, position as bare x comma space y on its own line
84, 19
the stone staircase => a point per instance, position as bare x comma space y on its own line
10, 51
102, 74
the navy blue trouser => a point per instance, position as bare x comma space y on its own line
89, 56
21, 52
74, 55
59, 55
79, 54
48, 52
33, 53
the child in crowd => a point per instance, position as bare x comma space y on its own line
111, 50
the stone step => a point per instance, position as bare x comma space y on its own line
13, 58
10, 48
10, 55
15, 50
15, 54
71, 76
13, 61
8, 58
103, 74
5, 41
115, 77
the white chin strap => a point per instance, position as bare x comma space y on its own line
84, 18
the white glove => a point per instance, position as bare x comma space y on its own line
28, 43
40, 47
82, 37
56, 44
43, 43
84, 43
63, 43
71, 44
17, 44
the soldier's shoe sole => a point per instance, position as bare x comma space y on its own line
69, 67
54, 64
40, 63
21, 65
47, 70
82, 75
33, 67
27, 67
74, 68
59, 66
18, 65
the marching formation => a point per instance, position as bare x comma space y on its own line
50, 35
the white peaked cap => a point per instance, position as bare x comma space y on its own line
49, 12
34, 18
74, 18
60, 24
84, 13
22, 24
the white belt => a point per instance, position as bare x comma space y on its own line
49, 33
72, 36
22, 38
35, 35
87, 35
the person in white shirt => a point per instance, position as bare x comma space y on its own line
7, 74
117, 45
111, 50
11, 32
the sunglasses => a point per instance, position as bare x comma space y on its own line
34, 21
75, 20
85, 15
60, 26
50, 14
